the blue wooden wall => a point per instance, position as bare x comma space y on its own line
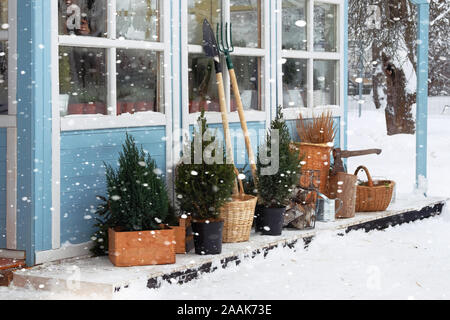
2, 188
257, 134
83, 172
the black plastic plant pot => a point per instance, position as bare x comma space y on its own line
272, 219
207, 237
259, 224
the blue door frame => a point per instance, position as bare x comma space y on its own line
423, 22
34, 125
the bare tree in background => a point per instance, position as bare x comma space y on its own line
393, 50
439, 83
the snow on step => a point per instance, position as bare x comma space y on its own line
87, 276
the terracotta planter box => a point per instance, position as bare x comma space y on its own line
144, 106
183, 236
197, 106
141, 248
125, 107
87, 108
76, 108
120, 108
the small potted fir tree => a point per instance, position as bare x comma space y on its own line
202, 188
275, 189
138, 204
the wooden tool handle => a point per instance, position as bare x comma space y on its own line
226, 128
356, 153
240, 109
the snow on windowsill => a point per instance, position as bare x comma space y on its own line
99, 121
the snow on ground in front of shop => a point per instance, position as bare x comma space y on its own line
397, 161
405, 262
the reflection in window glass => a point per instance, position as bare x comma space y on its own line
326, 84
295, 83
83, 17
138, 19
82, 81
3, 12
294, 25
198, 10
246, 20
138, 88
202, 84
3, 77
325, 27
248, 73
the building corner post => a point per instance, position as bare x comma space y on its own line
422, 95
34, 120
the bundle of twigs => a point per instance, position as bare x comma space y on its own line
318, 130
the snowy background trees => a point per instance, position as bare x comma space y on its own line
382, 35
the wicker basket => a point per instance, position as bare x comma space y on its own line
315, 157
238, 217
373, 195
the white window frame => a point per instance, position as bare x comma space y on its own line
310, 55
112, 121
267, 65
110, 44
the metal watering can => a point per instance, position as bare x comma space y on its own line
326, 208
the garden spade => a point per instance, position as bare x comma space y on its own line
212, 51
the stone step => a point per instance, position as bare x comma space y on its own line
97, 275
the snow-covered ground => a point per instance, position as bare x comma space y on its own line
397, 161
405, 262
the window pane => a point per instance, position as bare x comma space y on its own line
294, 25
325, 27
295, 83
3, 77
138, 19
198, 10
202, 84
83, 17
248, 73
246, 19
139, 81
3, 11
326, 84
82, 81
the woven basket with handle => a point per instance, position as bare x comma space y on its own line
238, 216
373, 195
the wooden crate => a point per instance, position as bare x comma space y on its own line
141, 248
184, 236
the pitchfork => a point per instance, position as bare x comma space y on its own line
227, 48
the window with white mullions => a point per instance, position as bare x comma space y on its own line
247, 20
295, 25
111, 57
295, 83
310, 53
4, 26
325, 27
